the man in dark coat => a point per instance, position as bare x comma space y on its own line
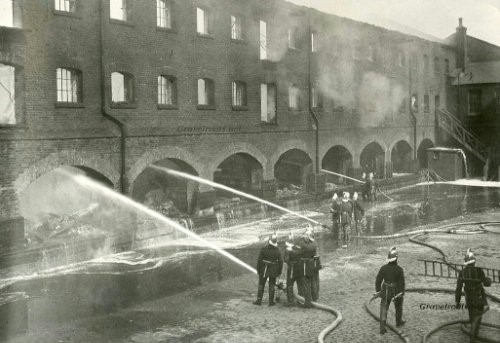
293, 275
335, 215
359, 213
345, 218
472, 279
309, 268
269, 265
390, 285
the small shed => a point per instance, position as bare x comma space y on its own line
448, 163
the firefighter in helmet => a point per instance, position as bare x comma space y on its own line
345, 218
309, 268
293, 275
269, 266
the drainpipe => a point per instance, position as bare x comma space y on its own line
311, 111
104, 113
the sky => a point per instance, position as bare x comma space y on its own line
438, 18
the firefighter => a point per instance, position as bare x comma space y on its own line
371, 187
345, 218
390, 286
309, 267
472, 279
269, 265
335, 216
365, 189
359, 213
292, 259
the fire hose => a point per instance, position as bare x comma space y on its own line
416, 233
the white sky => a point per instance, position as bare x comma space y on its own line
435, 17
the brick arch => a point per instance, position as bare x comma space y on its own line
325, 148
153, 155
284, 147
371, 139
396, 141
232, 149
67, 158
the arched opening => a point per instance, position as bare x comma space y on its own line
372, 159
240, 171
401, 157
339, 160
173, 196
292, 168
422, 153
56, 204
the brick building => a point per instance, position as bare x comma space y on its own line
253, 94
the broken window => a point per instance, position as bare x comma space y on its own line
206, 92
203, 25
268, 103
263, 40
120, 9
414, 103
7, 95
426, 103
293, 97
239, 93
292, 38
164, 13
236, 27
122, 88
474, 101
69, 88
316, 98
167, 90
65, 5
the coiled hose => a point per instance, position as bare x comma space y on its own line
416, 233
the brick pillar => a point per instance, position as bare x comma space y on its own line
315, 183
268, 189
388, 169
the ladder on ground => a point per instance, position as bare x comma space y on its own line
457, 130
451, 270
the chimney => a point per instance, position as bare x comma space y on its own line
461, 40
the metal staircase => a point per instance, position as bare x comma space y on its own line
457, 130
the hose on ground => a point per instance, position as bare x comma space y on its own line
413, 239
479, 337
398, 332
332, 326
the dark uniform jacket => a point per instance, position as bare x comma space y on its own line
345, 210
390, 280
309, 262
270, 262
359, 211
292, 258
473, 278
335, 209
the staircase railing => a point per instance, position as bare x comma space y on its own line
455, 128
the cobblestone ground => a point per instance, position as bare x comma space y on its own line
223, 312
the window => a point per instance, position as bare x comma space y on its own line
239, 93
313, 42
206, 92
293, 97
65, 5
436, 65
402, 106
446, 66
268, 103
164, 13
167, 90
263, 40
426, 103
414, 103
69, 85
120, 9
316, 98
401, 59
7, 95
292, 38
474, 101
203, 22
236, 28
426, 64
11, 13
122, 88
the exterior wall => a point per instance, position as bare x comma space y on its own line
49, 135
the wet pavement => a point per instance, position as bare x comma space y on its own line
213, 303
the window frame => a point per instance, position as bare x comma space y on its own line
427, 105
446, 66
242, 85
209, 87
74, 72
160, 91
128, 13
169, 5
237, 18
75, 13
414, 109
263, 50
437, 66
274, 120
129, 92
207, 21
294, 87
316, 98
478, 105
292, 38
18, 89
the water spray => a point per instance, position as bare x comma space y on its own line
85, 181
234, 191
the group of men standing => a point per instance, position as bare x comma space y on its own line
303, 265
346, 212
